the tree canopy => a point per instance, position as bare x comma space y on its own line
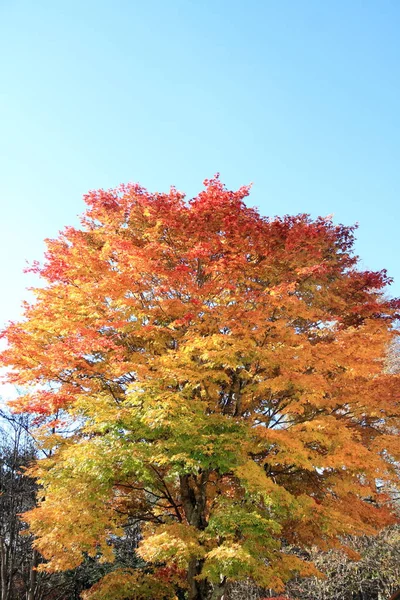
224, 375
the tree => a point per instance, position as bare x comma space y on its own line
17, 494
225, 376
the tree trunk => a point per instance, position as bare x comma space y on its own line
3, 570
198, 590
32, 576
193, 495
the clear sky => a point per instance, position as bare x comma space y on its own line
301, 97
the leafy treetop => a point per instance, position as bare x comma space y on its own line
224, 374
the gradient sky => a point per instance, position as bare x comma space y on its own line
301, 97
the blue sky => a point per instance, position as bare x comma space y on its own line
301, 97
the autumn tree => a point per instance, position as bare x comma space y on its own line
225, 376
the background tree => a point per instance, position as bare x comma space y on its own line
376, 576
226, 376
17, 494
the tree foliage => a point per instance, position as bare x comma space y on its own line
225, 376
